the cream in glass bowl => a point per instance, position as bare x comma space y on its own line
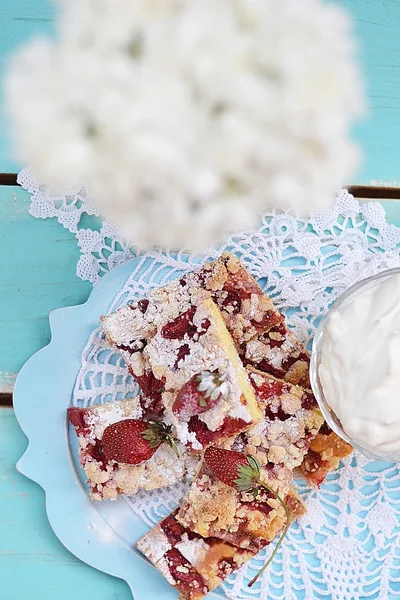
355, 366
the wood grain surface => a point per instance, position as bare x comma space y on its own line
34, 565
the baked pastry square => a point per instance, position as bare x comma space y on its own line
217, 505
291, 420
278, 352
177, 339
246, 310
193, 564
108, 478
207, 395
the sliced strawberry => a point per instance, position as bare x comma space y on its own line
201, 393
124, 442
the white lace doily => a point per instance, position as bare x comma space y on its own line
348, 546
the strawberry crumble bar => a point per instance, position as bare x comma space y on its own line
213, 508
247, 312
208, 397
187, 345
107, 477
292, 420
193, 564
278, 352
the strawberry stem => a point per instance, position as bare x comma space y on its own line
271, 558
171, 443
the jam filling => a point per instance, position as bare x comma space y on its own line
325, 429
172, 529
153, 408
142, 305
183, 351
183, 325
149, 384
229, 428
176, 329
276, 414
272, 342
77, 418
184, 574
308, 400
312, 461
261, 506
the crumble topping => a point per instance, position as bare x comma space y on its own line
99, 417
292, 420
279, 353
208, 505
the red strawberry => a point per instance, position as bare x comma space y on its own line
225, 464
202, 392
133, 441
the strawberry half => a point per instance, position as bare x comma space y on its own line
133, 441
201, 393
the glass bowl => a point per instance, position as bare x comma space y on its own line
330, 417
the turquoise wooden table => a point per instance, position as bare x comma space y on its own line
37, 274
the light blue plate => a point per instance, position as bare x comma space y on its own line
96, 533
104, 534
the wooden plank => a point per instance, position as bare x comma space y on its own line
377, 23
33, 563
5, 400
37, 274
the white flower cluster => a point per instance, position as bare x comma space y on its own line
189, 118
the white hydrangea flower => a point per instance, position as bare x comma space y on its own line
189, 118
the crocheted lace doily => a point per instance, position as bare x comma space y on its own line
347, 547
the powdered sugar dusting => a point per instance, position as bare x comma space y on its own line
193, 550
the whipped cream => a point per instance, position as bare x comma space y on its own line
360, 366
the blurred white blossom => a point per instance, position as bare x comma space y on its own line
189, 118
